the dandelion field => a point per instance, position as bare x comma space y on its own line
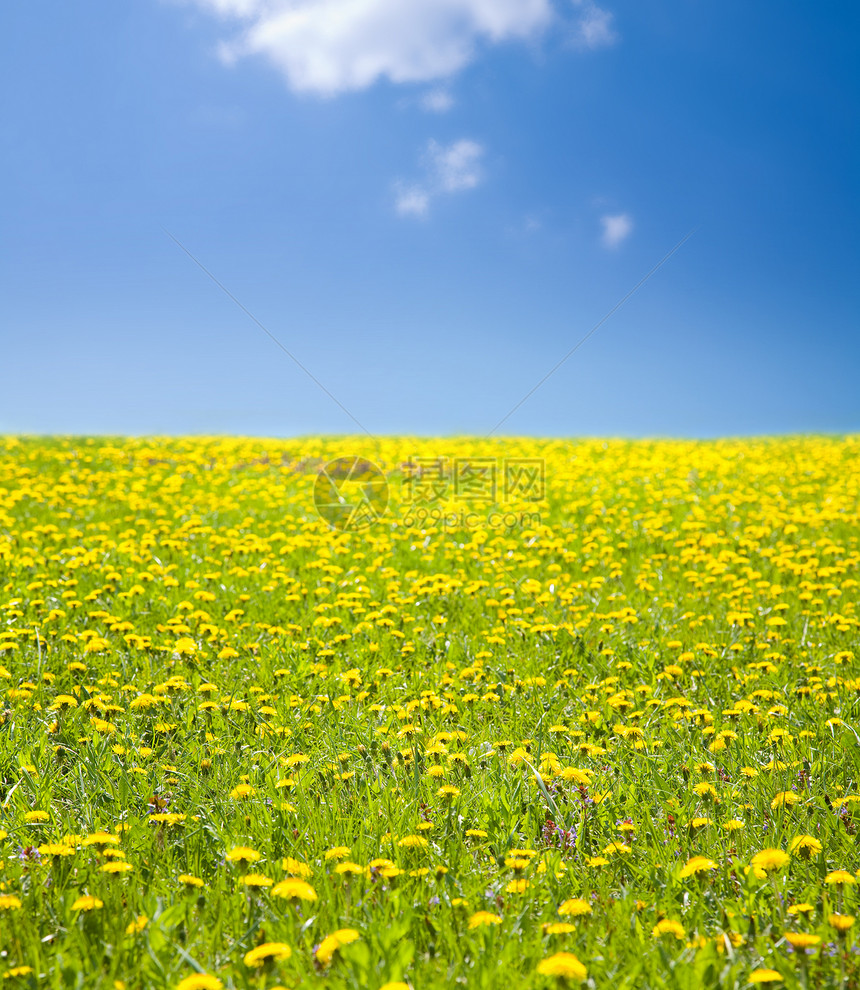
599, 728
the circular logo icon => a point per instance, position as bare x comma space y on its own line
351, 493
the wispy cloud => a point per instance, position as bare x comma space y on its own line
594, 28
331, 46
616, 229
412, 201
456, 166
437, 101
449, 168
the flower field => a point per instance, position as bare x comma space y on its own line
536, 714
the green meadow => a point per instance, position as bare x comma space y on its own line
546, 714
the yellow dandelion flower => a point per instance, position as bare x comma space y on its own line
839, 877
256, 880
769, 860
190, 880
697, 865
765, 976
294, 888
413, 842
801, 940
338, 852
616, 849
167, 818
349, 868
804, 846
87, 903
199, 981
517, 886
705, 790
295, 868
517, 862
841, 922
331, 943
483, 918
101, 839
667, 926
268, 950
56, 849
564, 965
573, 776
116, 866
573, 907
243, 854
242, 791
63, 701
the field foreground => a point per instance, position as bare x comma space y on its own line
477, 713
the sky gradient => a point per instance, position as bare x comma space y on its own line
428, 212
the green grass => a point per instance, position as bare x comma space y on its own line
213, 631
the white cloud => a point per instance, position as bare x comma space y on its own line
450, 168
412, 201
233, 8
437, 101
331, 46
594, 28
616, 229
456, 166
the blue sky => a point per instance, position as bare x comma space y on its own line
428, 203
